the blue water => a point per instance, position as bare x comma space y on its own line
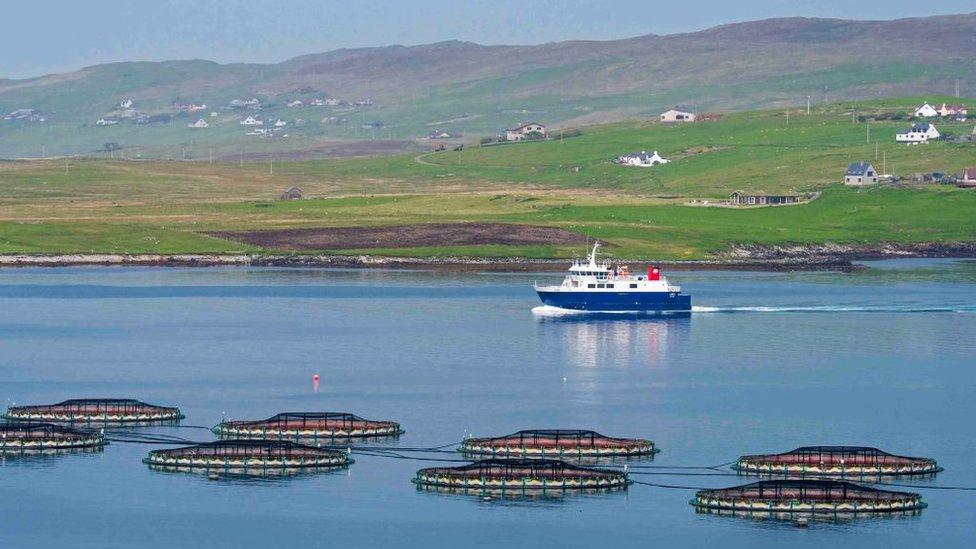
768, 362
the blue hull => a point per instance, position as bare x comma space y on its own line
617, 301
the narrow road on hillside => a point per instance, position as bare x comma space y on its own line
420, 159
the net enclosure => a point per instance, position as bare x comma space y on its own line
248, 454
799, 495
557, 443
96, 410
20, 436
835, 461
308, 425
521, 474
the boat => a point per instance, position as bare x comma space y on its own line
598, 286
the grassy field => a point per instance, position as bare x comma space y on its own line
168, 207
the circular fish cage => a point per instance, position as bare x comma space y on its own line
807, 496
557, 443
521, 475
96, 410
838, 461
308, 426
247, 456
28, 436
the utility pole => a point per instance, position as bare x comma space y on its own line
211, 156
808, 105
876, 150
868, 126
271, 166
957, 87
787, 118
66, 165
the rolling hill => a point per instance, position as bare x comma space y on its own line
476, 90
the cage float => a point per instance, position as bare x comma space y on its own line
27, 436
835, 461
521, 474
246, 456
814, 496
557, 443
96, 410
308, 425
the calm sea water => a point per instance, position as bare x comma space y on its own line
768, 362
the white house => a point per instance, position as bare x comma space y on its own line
106, 122
201, 123
918, 133
860, 173
257, 131
280, 123
125, 104
641, 159
333, 102
525, 131
213, 114
926, 111
251, 121
674, 115
296, 103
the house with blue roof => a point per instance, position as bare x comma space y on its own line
860, 173
918, 133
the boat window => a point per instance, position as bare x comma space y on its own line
633, 285
591, 285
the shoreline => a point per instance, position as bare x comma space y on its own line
826, 257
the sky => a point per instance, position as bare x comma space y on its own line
47, 36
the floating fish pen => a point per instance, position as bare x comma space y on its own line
96, 410
807, 496
247, 456
521, 475
308, 426
835, 461
27, 436
557, 443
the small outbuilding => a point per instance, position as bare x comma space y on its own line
968, 178
739, 198
860, 173
291, 193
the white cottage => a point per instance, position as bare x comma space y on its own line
251, 121
201, 123
918, 133
926, 111
641, 159
526, 131
675, 115
860, 173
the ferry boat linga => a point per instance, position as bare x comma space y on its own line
598, 286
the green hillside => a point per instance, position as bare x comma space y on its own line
172, 207
476, 90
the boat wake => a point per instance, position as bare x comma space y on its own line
833, 309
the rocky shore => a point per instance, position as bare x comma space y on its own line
823, 257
